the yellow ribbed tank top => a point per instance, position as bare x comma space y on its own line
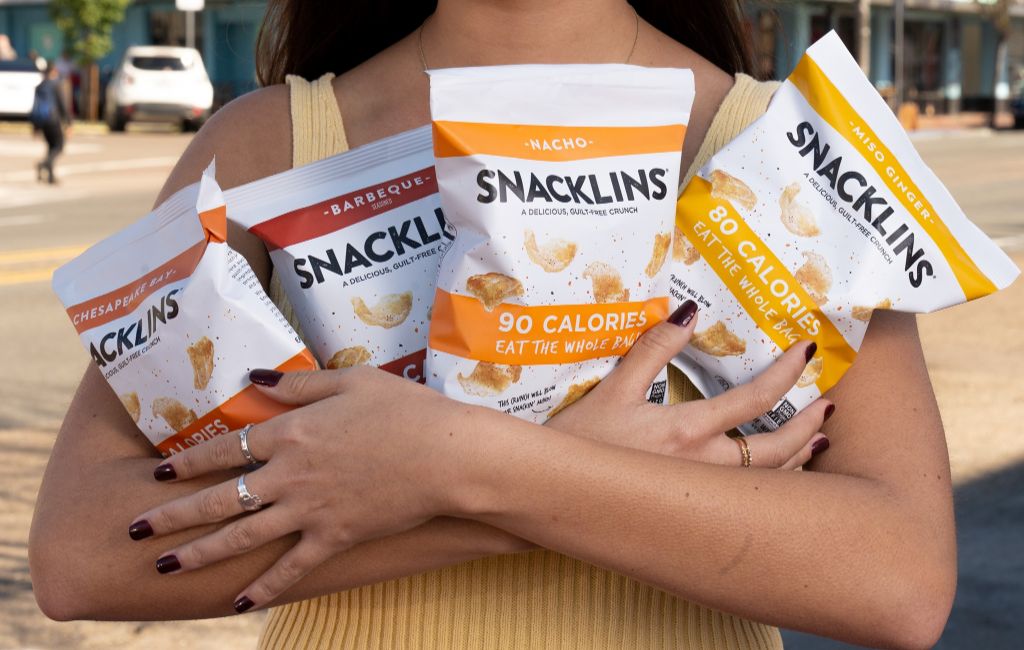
536, 600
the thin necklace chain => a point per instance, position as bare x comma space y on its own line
423, 57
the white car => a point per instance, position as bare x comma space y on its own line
158, 83
18, 81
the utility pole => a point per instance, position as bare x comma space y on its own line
898, 7
864, 35
189, 7
190, 29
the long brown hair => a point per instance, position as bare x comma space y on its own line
311, 37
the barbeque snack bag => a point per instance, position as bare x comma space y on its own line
175, 319
820, 212
560, 182
356, 240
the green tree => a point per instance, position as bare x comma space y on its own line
88, 26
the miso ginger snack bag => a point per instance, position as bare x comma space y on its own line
356, 240
817, 214
559, 181
175, 320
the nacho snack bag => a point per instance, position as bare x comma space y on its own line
820, 212
560, 183
356, 239
175, 320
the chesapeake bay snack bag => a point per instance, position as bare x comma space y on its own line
560, 183
175, 320
814, 216
356, 239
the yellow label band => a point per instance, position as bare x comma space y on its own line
776, 302
553, 143
826, 99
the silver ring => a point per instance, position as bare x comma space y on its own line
249, 502
243, 437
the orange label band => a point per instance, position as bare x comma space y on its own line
247, 406
539, 335
553, 143
829, 103
779, 306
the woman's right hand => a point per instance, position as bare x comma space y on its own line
616, 410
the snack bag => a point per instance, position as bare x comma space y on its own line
559, 181
820, 212
356, 239
175, 320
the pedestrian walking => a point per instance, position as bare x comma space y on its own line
51, 117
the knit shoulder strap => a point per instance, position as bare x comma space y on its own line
317, 128
317, 133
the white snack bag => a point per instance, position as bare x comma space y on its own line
175, 320
559, 181
818, 213
356, 239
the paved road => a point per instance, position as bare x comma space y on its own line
108, 181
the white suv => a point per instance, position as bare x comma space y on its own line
158, 83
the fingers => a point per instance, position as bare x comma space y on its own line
747, 401
207, 506
289, 569
789, 446
297, 388
218, 453
652, 352
236, 538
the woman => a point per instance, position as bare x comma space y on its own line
50, 116
363, 474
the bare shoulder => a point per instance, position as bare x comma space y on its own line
712, 84
250, 136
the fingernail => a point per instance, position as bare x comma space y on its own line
683, 314
811, 349
167, 564
243, 604
165, 472
829, 410
820, 445
140, 530
265, 377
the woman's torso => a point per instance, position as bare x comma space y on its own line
539, 599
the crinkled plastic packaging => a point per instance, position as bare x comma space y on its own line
559, 182
356, 240
817, 214
175, 320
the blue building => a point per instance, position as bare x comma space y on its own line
225, 34
949, 53
949, 50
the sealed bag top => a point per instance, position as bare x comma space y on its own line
560, 182
175, 320
816, 214
356, 239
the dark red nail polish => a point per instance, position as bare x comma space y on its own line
683, 314
140, 530
820, 445
811, 349
243, 604
165, 472
829, 410
265, 377
168, 564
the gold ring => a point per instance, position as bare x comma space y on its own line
744, 450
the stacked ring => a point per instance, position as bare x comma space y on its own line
744, 450
243, 439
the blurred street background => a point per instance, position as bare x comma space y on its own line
952, 70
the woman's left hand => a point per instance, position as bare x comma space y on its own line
341, 469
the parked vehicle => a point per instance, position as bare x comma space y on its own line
158, 83
18, 81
